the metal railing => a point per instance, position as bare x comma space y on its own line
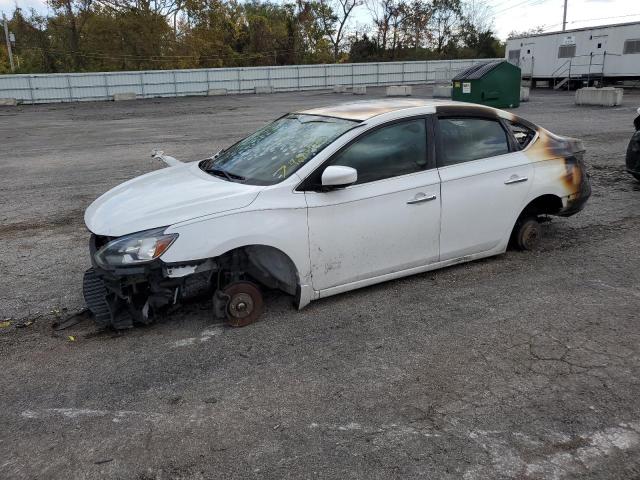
71, 87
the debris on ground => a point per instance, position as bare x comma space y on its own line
71, 320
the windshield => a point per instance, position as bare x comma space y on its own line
277, 150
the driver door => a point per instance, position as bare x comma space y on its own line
389, 220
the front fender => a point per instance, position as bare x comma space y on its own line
283, 229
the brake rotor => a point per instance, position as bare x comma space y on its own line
245, 304
530, 234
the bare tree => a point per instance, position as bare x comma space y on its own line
382, 13
416, 22
334, 15
478, 14
75, 16
445, 20
170, 9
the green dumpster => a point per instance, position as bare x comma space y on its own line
496, 84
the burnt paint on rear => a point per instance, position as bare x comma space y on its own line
560, 157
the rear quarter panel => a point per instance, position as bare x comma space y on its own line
558, 169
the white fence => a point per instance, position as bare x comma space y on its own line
71, 87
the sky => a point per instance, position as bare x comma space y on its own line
510, 15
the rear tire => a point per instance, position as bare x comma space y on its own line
636, 176
527, 234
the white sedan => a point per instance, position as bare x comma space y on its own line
327, 200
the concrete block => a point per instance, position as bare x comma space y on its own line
259, 90
360, 90
117, 97
442, 91
8, 102
339, 89
604, 97
216, 91
399, 91
524, 94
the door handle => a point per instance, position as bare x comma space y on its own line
421, 197
515, 179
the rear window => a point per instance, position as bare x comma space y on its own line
523, 135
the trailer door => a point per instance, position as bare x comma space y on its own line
598, 49
527, 63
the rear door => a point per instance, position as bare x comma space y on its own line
485, 180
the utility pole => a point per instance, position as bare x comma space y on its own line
564, 17
6, 36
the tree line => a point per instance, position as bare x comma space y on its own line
112, 35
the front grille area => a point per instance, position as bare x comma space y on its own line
95, 296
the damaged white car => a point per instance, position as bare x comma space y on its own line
324, 201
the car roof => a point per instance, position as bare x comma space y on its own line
363, 110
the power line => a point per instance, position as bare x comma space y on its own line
594, 19
526, 3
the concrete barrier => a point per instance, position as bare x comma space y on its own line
216, 91
260, 90
339, 89
360, 90
442, 91
8, 102
605, 97
399, 91
524, 94
117, 97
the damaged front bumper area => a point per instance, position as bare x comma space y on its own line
122, 296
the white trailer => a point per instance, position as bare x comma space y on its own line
582, 56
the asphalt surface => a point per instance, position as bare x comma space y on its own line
521, 366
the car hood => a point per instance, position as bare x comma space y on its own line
165, 197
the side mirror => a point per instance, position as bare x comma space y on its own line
335, 176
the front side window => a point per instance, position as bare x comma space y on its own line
467, 139
387, 152
277, 150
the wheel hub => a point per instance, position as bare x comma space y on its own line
240, 305
244, 305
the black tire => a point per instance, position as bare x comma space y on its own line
527, 234
636, 176
245, 303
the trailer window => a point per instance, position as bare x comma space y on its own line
514, 57
567, 51
631, 46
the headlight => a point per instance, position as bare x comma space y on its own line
136, 248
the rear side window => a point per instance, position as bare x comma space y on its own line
466, 139
390, 151
523, 135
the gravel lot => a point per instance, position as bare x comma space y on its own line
521, 366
